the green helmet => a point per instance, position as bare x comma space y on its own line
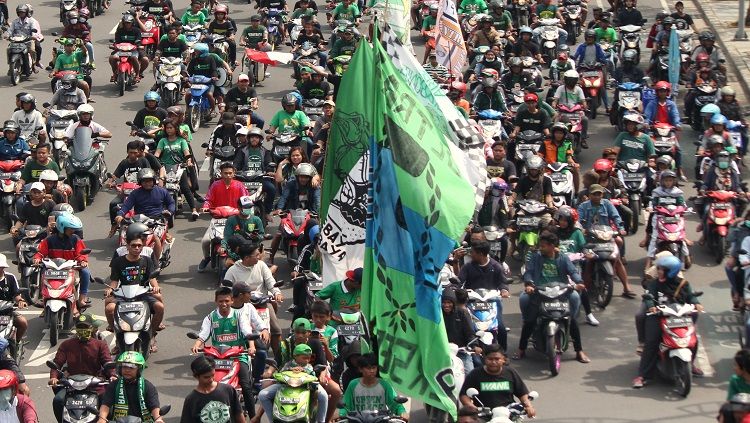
132, 357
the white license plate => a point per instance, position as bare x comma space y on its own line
145, 35
224, 364
349, 330
558, 177
590, 74
481, 306
676, 322
129, 307
528, 221
55, 274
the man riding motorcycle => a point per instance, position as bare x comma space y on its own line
203, 64
707, 46
558, 149
29, 118
78, 28
12, 145
570, 94
664, 110
730, 108
71, 59
130, 394
85, 114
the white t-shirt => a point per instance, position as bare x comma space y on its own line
28, 121
258, 277
569, 97
71, 131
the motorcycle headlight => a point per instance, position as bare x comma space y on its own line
603, 235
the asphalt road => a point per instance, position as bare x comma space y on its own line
598, 392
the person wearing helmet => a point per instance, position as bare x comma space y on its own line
490, 98
533, 118
12, 145
627, 71
130, 394
151, 115
485, 34
632, 143
708, 46
128, 32
730, 107
16, 404
525, 46
666, 194
570, 94
534, 186
83, 354
715, 134
251, 155
71, 59
162, 9
68, 97
65, 244
78, 28
34, 211
516, 76
149, 199
203, 64
222, 25
501, 18
289, 118
489, 61
559, 149
30, 120
85, 114
50, 179
194, 15
667, 284
560, 65
459, 89
27, 26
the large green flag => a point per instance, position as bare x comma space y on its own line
420, 207
345, 175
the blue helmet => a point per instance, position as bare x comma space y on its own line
314, 233
152, 96
718, 119
671, 264
201, 49
710, 109
65, 221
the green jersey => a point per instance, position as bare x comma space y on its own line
172, 152
609, 35
349, 13
285, 122
339, 297
238, 226
472, 6
640, 147
573, 244
253, 36
429, 22
550, 273
330, 333
226, 330
303, 12
188, 18
70, 62
180, 37
33, 169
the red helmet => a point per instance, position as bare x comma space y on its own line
702, 57
530, 97
458, 86
663, 85
8, 379
220, 8
603, 165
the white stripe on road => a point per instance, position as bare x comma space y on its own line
36, 376
29, 312
664, 5
204, 166
599, 4
114, 29
702, 359
42, 351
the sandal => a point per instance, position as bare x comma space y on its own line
628, 294
582, 357
161, 327
153, 348
113, 78
138, 79
519, 355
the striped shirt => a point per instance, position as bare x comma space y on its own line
436, 72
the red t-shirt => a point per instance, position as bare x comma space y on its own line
662, 115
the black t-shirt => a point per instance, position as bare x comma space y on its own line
687, 18
172, 49
132, 35
235, 96
205, 66
36, 215
310, 89
57, 196
310, 5
525, 49
125, 168
504, 170
9, 289
149, 118
222, 401
153, 162
495, 390
525, 184
532, 121
160, 9
131, 395
131, 272
315, 39
225, 28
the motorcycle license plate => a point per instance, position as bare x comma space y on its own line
220, 222
721, 206
522, 147
558, 177
678, 322
671, 219
224, 364
72, 404
283, 150
662, 143
145, 35
55, 274
252, 186
129, 307
632, 176
481, 306
173, 186
5, 320
314, 110
349, 330
6, 175
556, 305
590, 74
316, 286
528, 221
706, 99
604, 248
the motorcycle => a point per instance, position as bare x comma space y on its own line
20, 62
219, 216
218, 44
686, 49
678, 340
661, 68
514, 99
295, 401
485, 308
169, 81
512, 412
8, 330
628, 102
573, 117
293, 225
341, 64
601, 240
193, 34
158, 229
549, 38
375, 416
81, 403
85, 167
31, 237
497, 238
133, 316
531, 67
490, 121
528, 220
528, 142
552, 330
633, 174
253, 181
174, 174
61, 119
562, 183
670, 228
283, 143
312, 284
59, 293
571, 11
151, 35
199, 109
665, 140
275, 18
630, 39
720, 217
10, 173
125, 72
65, 7
296, 30
220, 154
704, 94
313, 108
522, 8
592, 82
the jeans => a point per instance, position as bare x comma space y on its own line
58, 403
185, 190
468, 361
246, 383
113, 208
270, 189
267, 395
561, 34
206, 243
84, 275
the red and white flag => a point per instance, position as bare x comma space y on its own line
272, 58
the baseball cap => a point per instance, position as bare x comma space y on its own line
38, 186
530, 97
596, 188
86, 319
246, 205
241, 288
243, 77
329, 103
355, 274
243, 131
302, 349
302, 323
3, 260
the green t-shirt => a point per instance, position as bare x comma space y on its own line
70, 62
573, 244
502, 22
380, 396
285, 122
254, 35
339, 299
237, 226
550, 273
188, 18
172, 152
180, 37
546, 12
32, 170
429, 22
330, 333
737, 385
475, 6
349, 13
609, 34
631, 147
303, 12
205, 12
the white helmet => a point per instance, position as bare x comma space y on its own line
48, 175
572, 73
85, 108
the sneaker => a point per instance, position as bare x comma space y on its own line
638, 383
203, 264
590, 319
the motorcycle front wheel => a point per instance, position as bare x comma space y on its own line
554, 352
683, 376
601, 287
721, 248
635, 206
194, 117
54, 328
79, 199
16, 69
121, 82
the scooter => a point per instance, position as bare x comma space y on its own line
665, 140
552, 331
490, 121
32, 236
20, 62
485, 308
172, 184
528, 142
633, 174
8, 330
295, 401
158, 230
630, 39
274, 20
193, 34
512, 412
151, 35
169, 81
628, 102
562, 183
670, 228
283, 143
592, 82
261, 302
85, 167
10, 173
497, 238
375, 416
312, 284
65, 7
59, 294
62, 119
296, 30
219, 216
199, 108
528, 220
573, 117
571, 11
704, 94
132, 324
601, 240
720, 217
81, 396
549, 38
522, 8
293, 225
678, 340
253, 181
125, 72
219, 155
313, 108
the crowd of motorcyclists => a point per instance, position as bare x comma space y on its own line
564, 224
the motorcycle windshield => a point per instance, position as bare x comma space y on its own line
131, 291
298, 216
82, 144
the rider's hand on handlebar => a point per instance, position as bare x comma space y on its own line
699, 307
652, 310
166, 213
52, 382
37, 262
529, 290
623, 232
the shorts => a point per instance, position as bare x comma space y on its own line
273, 321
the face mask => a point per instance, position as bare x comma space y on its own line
723, 165
6, 396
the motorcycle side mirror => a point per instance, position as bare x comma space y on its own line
46, 104
52, 365
39, 128
14, 262
85, 33
533, 395
192, 335
86, 251
164, 410
33, 30
204, 145
99, 280
400, 399
110, 365
267, 237
33, 249
130, 122
268, 131
55, 34
647, 296
486, 338
472, 392
454, 280
288, 43
227, 283
697, 143
319, 369
698, 293
278, 284
464, 244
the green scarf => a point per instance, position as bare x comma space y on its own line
121, 402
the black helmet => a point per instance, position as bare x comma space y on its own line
590, 33
668, 20
146, 173
69, 82
27, 98
706, 35
288, 99
489, 83
485, 19
63, 208
128, 18
137, 230
661, 15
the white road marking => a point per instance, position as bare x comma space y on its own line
702, 359
599, 4
204, 166
42, 351
664, 5
114, 29
29, 312
36, 376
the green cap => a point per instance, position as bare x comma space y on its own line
87, 319
302, 349
302, 323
